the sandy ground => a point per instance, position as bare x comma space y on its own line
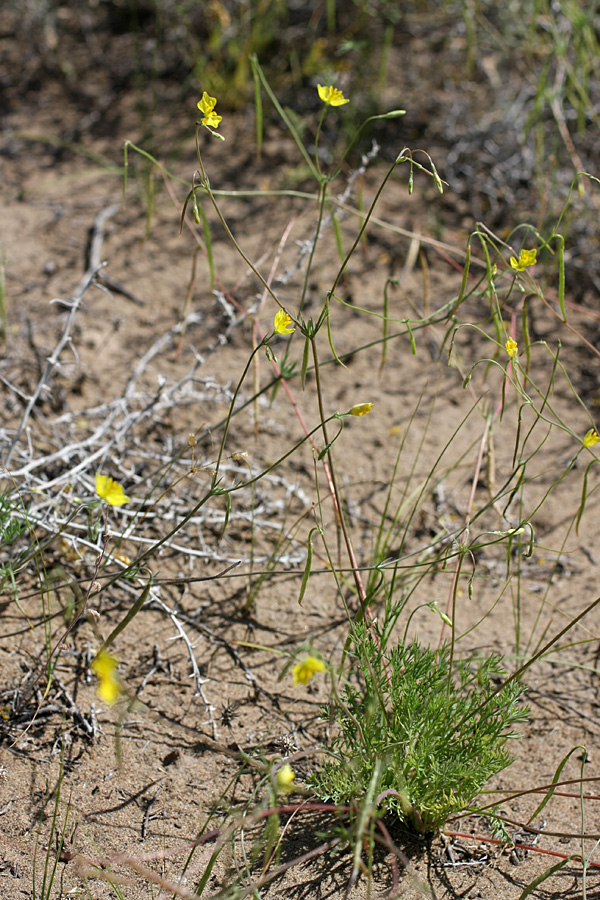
135, 783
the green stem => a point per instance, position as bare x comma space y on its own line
530, 662
263, 342
319, 126
322, 196
206, 185
337, 500
363, 227
285, 117
332, 479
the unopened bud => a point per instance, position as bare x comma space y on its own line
361, 409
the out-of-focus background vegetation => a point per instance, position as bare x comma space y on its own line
505, 97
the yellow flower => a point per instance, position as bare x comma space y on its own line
305, 670
285, 779
331, 96
361, 409
212, 120
592, 437
110, 490
207, 106
283, 323
512, 348
104, 667
526, 258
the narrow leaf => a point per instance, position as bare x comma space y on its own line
307, 567
540, 878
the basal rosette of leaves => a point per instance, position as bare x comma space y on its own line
441, 735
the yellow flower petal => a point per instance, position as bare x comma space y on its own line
104, 667
331, 96
283, 323
207, 104
110, 490
512, 348
212, 120
526, 258
361, 409
304, 671
592, 437
285, 779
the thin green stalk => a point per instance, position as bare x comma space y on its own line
204, 183
331, 474
321, 210
318, 132
238, 388
522, 669
289, 125
2, 296
365, 611
364, 225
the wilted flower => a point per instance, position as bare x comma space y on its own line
207, 106
526, 258
592, 437
283, 323
104, 667
512, 348
285, 779
304, 671
360, 409
331, 96
110, 490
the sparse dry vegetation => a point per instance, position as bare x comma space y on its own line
299, 454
